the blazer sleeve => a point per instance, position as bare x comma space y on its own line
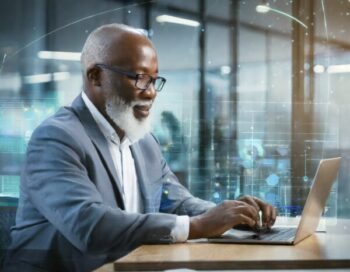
58, 185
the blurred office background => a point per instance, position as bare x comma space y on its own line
257, 91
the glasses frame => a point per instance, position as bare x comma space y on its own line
134, 76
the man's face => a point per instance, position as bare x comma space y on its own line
127, 105
144, 61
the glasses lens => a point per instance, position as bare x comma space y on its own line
158, 84
143, 81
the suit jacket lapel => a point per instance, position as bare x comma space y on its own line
100, 142
145, 186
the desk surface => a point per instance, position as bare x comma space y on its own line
321, 250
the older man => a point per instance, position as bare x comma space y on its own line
95, 184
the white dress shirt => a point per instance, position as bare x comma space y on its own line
125, 168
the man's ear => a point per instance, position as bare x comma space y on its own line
93, 75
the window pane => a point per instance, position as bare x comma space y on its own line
255, 115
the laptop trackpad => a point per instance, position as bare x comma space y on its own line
275, 235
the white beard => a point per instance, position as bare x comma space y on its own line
122, 115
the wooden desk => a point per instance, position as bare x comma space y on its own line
321, 250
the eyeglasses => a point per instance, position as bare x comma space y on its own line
142, 81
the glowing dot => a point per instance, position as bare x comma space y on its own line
225, 70
216, 195
166, 192
272, 180
305, 179
129, 11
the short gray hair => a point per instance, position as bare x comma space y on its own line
96, 46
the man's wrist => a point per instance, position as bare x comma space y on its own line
194, 232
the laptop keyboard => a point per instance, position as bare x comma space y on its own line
276, 234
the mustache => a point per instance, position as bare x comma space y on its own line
120, 101
141, 103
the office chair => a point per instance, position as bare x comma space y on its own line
8, 207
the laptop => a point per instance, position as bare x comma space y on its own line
326, 174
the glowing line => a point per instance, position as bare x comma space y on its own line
289, 16
3, 62
252, 148
265, 9
305, 162
324, 19
328, 76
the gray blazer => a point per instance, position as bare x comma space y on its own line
71, 213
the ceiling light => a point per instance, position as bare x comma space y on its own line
43, 78
336, 69
262, 8
176, 20
57, 55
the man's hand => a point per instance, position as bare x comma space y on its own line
268, 211
221, 218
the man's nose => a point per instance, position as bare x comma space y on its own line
150, 92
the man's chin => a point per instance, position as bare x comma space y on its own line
134, 121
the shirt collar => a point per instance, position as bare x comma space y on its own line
106, 129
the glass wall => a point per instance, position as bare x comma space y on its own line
256, 91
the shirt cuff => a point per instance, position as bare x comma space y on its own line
181, 229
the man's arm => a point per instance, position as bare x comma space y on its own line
58, 184
208, 219
231, 213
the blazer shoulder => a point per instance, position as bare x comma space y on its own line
149, 145
63, 125
149, 140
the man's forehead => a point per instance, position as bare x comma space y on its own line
144, 59
131, 47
